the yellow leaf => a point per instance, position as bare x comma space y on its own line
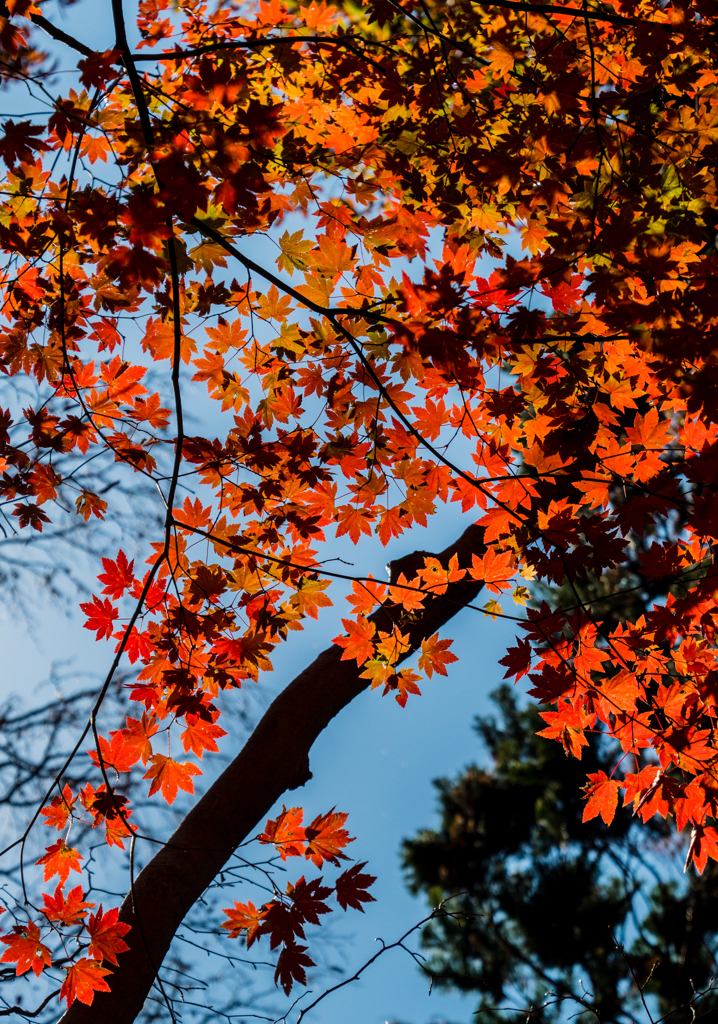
502, 62
533, 237
273, 307
294, 250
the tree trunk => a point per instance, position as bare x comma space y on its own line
274, 759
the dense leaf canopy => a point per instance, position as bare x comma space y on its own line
417, 253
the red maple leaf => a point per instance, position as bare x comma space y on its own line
26, 950
291, 967
308, 899
118, 575
704, 844
106, 935
517, 659
67, 910
31, 515
100, 616
602, 794
351, 888
84, 978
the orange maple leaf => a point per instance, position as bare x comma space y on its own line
84, 978
137, 736
326, 838
358, 643
58, 810
244, 917
170, 775
118, 754
495, 570
286, 832
435, 655
60, 860
199, 735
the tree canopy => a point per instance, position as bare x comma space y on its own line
413, 253
553, 914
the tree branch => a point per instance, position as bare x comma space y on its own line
274, 759
60, 36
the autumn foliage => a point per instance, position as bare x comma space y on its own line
411, 254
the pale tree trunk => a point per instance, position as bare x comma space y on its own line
274, 759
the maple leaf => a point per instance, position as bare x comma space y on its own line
517, 659
170, 775
286, 832
17, 143
619, 692
308, 899
98, 68
106, 933
26, 950
494, 570
58, 811
89, 504
137, 737
407, 595
355, 521
435, 655
405, 683
118, 576
118, 754
199, 735
137, 645
60, 859
325, 838
291, 966
602, 797
244, 917
366, 595
31, 515
100, 616
704, 844
294, 251
67, 910
84, 978
351, 888
358, 643
568, 724
437, 578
